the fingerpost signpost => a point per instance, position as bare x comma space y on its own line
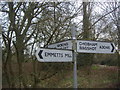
66, 51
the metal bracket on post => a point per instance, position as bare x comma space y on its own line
73, 31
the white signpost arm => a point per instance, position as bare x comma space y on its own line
73, 30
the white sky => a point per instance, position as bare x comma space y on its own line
61, 0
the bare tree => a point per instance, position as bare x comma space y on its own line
28, 25
113, 15
21, 17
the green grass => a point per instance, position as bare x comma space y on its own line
95, 67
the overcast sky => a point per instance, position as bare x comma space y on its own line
62, 0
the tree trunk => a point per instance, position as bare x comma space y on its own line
7, 75
34, 74
86, 35
12, 79
118, 26
7, 66
85, 22
20, 58
88, 58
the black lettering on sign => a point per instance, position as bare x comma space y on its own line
68, 55
80, 43
49, 54
62, 44
46, 54
65, 47
87, 44
87, 48
104, 47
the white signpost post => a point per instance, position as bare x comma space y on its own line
74, 48
54, 55
95, 47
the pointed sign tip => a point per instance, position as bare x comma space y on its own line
40, 54
112, 47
